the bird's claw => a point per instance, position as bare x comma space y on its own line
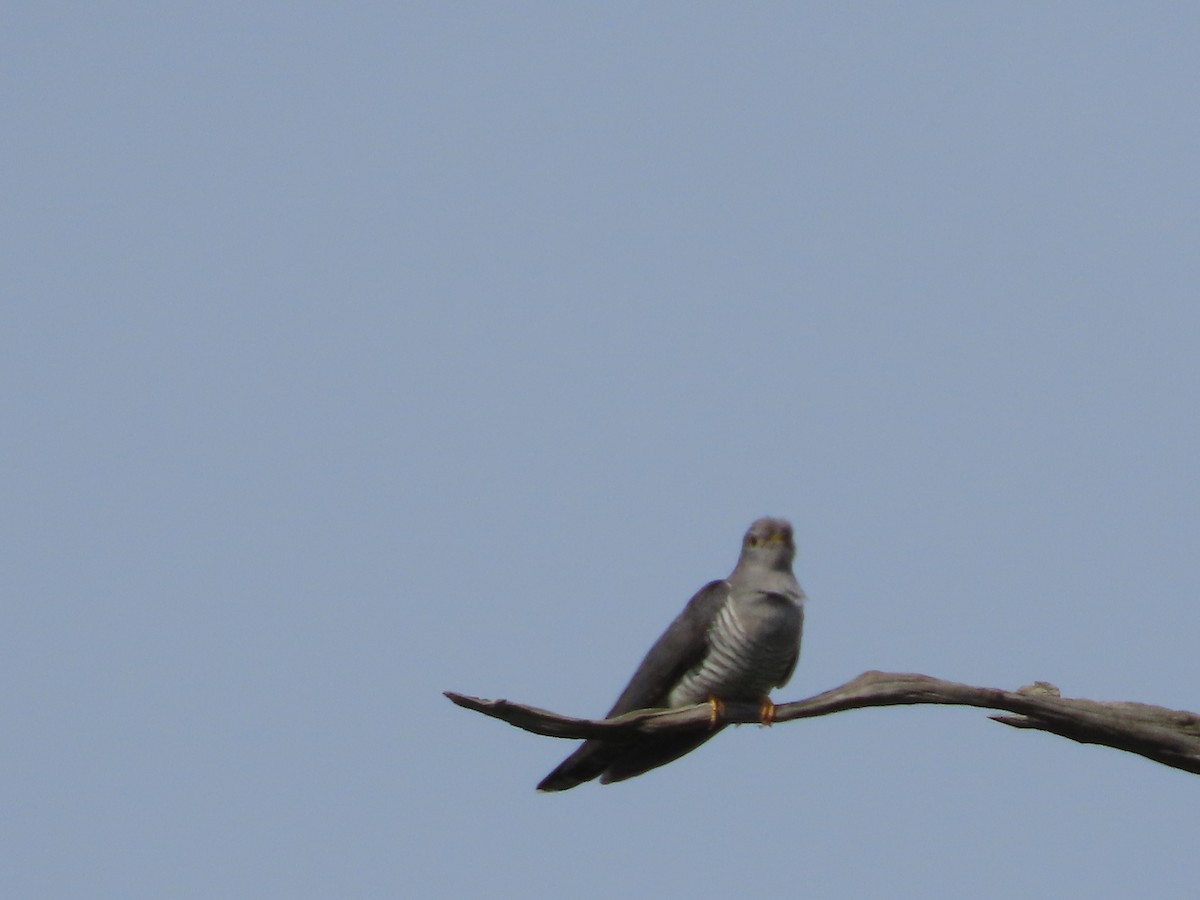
766, 711
715, 710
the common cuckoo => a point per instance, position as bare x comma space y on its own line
735, 640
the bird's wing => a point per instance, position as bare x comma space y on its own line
787, 676
682, 646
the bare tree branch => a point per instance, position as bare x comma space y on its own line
1167, 736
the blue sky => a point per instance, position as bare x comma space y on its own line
354, 354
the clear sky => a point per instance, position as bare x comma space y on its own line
352, 353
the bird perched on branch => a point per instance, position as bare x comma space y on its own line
735, 640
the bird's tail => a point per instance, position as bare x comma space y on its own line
617, 761
586, 763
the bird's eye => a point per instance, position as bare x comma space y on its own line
753, 540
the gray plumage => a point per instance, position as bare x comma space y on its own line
735, 640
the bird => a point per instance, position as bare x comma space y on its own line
736, 639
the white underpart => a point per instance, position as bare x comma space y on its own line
753, 641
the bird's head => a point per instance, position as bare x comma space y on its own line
769, 543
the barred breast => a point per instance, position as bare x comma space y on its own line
754, 641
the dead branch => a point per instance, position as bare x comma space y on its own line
1167, 736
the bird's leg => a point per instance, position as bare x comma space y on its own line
766, 711
716, 709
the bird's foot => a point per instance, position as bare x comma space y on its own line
716, 709
766, 711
